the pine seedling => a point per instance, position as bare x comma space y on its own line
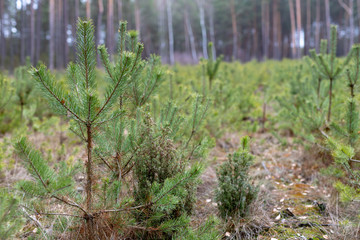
235, 193
212, 65
152, 153
24, 88
79, 102
328, 65
6, 92
352, 115
117, 140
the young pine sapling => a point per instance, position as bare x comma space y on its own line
328, 66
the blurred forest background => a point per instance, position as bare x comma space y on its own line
177, 30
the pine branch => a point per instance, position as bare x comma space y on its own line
38, 74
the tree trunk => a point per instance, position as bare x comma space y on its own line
327, 18
110, 26
98, 27
88, 9
256, 35
23, 35
234, 29
212, 28
317, 27
171, 33
32, 32
276, 30
137, 18
292, 22
161, 26
38, 31
203, 27
64, 29
265, 13
299, 27
308, 26
358, 13
120, 9
59, 41
52, 33
2, 38
191, 36
349, 11
186, 35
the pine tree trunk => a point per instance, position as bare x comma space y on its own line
137, 18
299, 27
234, 29
265, 13
64, 30
200, 4
327, 18
330, 100
211, 27
317, 27
161, 26
98, 27
276, 30
187, 42
59, 41
110, 26
38, 31
308, 26
32, 32
351, 23
358, 13
88, 9
170, 31
292, 22
350, 18
52, 34
191, 36
2, 38
88, 187
120, 9
23, 35
256, 34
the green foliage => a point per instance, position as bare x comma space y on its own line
327, 65
123, 143
6, 92
211, 65
235, 193
10, 221
47, 182
24, 88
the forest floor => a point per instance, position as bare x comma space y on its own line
293, 202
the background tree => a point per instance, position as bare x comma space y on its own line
266, 28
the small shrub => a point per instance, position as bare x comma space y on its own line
235, 193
